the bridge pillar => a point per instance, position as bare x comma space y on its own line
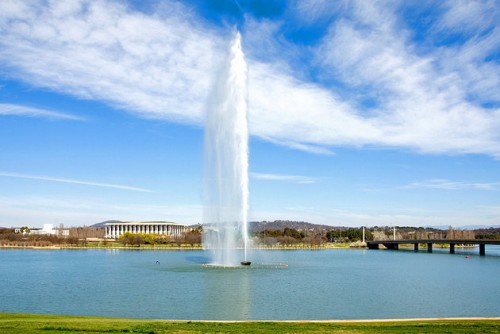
372, 246
415, 247
429, 247
392, 246
482, 249
452, 248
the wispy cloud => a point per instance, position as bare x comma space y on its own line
71, 181
393, 217
7, 109
420, 99
429, 98
285, 178
35, 211
316, 149
454, 185
157, 66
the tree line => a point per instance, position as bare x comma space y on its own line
79, 236
315, 236
9, 238
192, 237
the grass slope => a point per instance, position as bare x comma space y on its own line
34, 323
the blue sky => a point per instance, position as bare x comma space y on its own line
360, 112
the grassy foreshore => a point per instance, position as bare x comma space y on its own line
34, 323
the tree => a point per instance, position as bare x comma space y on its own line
126, 238
193, 237
291, 232
287, 240
149, 239
137, 240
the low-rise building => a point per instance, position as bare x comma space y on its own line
116, 229
47, 229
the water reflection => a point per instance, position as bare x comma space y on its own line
113, 251
198, 259
227, 293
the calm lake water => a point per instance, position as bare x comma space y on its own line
320, 284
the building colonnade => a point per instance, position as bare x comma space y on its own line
115, 230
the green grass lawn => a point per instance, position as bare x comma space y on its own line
33, 323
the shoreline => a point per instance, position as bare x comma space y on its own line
182, 247
381, 320
176, 247
47, 323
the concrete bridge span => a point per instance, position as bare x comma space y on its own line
394, 244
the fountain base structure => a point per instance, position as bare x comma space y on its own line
255, 266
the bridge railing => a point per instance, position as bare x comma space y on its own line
394, 244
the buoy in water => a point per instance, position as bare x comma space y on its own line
245, 263
467, 257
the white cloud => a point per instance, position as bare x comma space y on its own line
157, 66
392, 217
431, 219
281, 177
161, 66
71, 181
7, 109
285, 109
309, 12
419, 104
36, 211
311, 148
454, 185
468, 16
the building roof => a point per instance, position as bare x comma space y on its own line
144, 223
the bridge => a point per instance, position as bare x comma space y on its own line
394, 244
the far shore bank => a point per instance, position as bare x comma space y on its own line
176, 247
115, 245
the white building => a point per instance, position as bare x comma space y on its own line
174, 230
47, 229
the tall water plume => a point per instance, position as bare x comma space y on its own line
226, 162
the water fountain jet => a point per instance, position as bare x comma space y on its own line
226, 162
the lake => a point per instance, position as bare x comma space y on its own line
316, 284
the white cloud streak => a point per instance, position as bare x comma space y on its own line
161, 66
35, 211
71, 181
286, 178
454, 185
7, 109
366, 217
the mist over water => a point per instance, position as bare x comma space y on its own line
226, 162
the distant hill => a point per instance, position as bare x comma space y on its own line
260, 226
478, 227
302, 226
282, 224
465, 227
103, 224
